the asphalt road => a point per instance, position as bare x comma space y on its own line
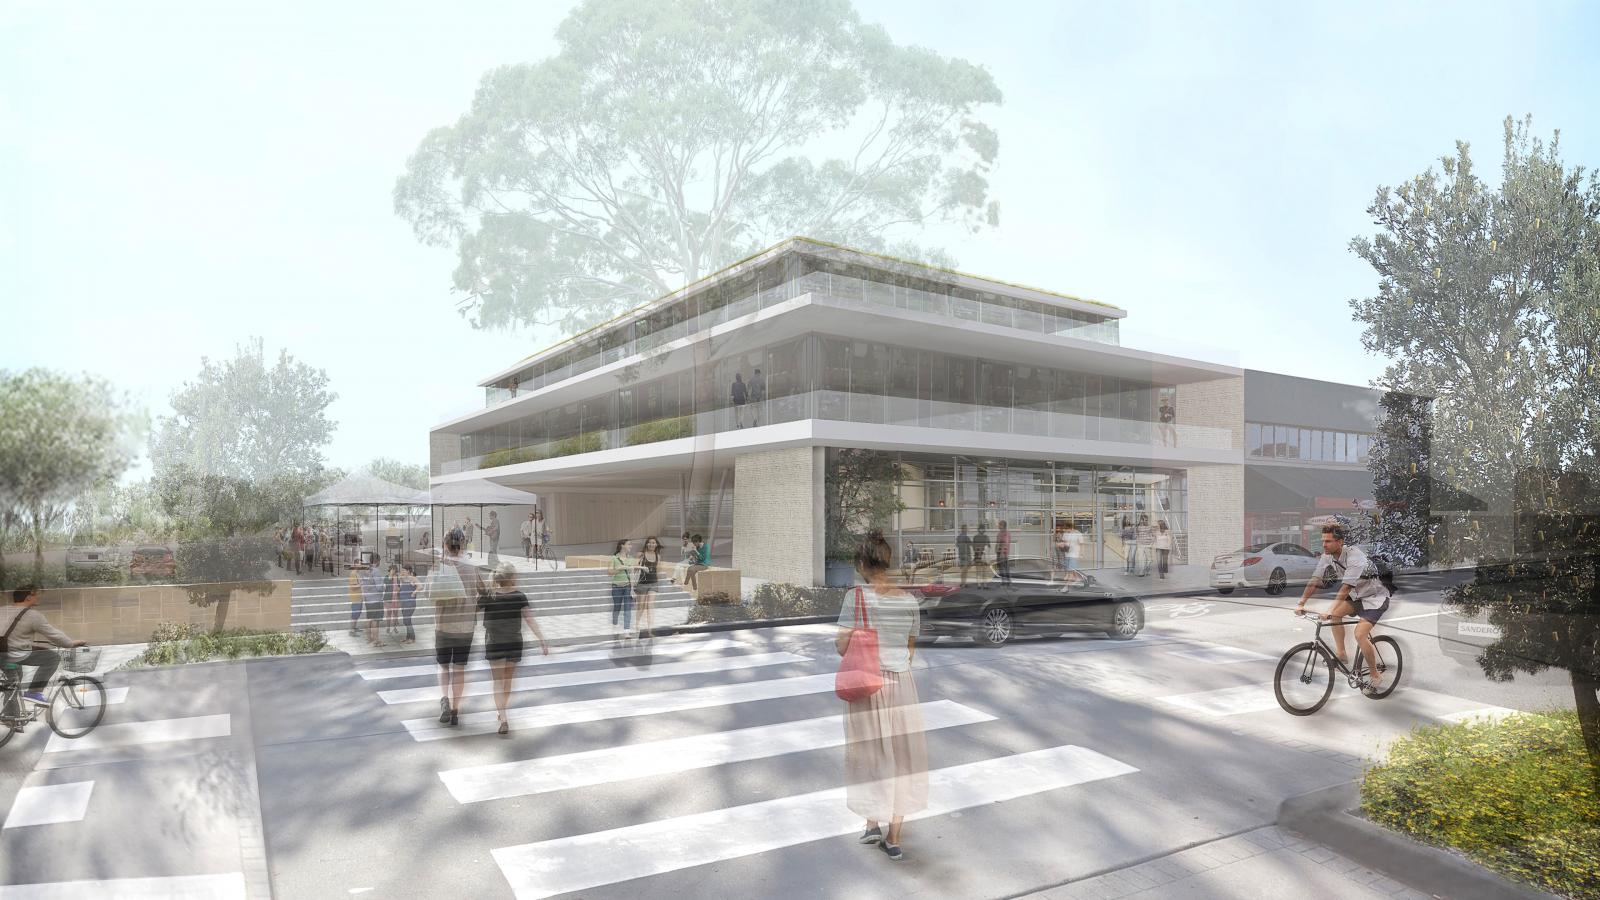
709, 765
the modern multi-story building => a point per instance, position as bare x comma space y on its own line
988, 402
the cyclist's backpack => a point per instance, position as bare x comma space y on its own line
5, 639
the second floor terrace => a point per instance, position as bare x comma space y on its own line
799, 267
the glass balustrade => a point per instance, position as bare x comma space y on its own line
873, 409
1026, 316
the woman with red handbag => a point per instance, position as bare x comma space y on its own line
886, 753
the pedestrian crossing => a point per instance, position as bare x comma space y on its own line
738, 678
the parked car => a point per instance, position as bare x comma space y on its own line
153, 562
992, 612
91, 560
1272, 566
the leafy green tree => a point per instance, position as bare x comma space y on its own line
861, 492
669, 138
243, 446
60, 437
1489, 301
411, 475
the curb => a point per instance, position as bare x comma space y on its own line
1327, 816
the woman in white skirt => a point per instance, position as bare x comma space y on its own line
886, 753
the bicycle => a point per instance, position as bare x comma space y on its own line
76, 703
1296, 681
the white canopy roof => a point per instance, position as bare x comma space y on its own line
367, 490
479, 492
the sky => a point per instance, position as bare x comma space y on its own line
176, 178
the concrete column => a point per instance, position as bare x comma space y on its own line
777, 515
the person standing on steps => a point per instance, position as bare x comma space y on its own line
453, 590
1163, 549
372, 598
1074, 541
886, 752
505, 609
1130, 550
644, 591
529, 537
1146, 536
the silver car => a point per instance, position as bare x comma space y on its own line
1272, 566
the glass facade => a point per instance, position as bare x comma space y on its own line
788, 277
1267, 441
826, 377
943, 493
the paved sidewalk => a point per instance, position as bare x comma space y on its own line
1268, 861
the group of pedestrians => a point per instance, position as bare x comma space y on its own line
634, 581
1143, 544
383, 601
459, 596
302, 546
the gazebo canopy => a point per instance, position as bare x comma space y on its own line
367, 490
479, 492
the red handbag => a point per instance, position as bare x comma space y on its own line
860, 675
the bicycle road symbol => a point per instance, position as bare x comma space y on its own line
1182, 610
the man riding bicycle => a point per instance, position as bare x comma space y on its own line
1362, 592
23, 628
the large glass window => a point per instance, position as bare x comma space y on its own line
1252, 439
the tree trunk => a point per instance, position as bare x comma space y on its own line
219, 607
38, 547
1586, 698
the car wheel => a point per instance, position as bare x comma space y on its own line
1126, 621
1276, 582
996, 627
1224, 591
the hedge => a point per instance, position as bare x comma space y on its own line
588, 442
661, 430
1515, 795
175, 644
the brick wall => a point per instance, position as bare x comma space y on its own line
777, 514
127, 615
1216, 511
1218, 403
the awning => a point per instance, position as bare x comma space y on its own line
478, 492
367, 490
1277, 488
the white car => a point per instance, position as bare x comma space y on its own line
1271, 566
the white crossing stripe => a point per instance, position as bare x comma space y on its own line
1217, 653
228, 886
601, 676
601, 858
534, 659
623, 707
131, 734
50, 804
572, 770
1228, 701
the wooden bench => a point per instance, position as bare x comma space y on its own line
719, 582
588, 562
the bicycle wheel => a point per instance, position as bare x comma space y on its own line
77, 706
1304, 679
1390, 664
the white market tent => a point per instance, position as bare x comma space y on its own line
361, 491
480, 493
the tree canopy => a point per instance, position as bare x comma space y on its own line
411, 475
1489, 301
63, 437
669, 138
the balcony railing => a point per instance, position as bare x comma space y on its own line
874, 409
838, 287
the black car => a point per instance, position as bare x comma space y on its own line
1035, 600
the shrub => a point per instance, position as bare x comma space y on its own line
770, 601
588, 442
176, 643
1515, 795
660, 430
